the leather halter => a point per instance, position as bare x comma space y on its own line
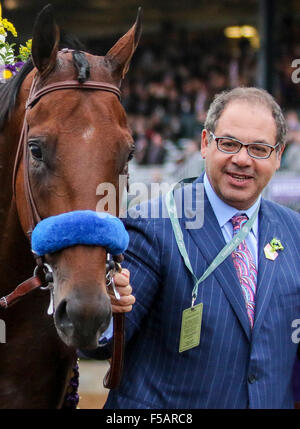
113, 376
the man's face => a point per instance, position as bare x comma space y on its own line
237, 178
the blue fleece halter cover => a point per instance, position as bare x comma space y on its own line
84, 227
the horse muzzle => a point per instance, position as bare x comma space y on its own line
80, 322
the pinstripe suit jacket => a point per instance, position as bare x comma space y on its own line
232, 367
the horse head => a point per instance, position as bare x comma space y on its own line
76, 138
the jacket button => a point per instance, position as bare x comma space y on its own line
251, 378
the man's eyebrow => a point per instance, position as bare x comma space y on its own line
235, 138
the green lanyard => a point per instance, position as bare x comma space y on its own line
222, 255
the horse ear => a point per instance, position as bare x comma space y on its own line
119, 56
45, 41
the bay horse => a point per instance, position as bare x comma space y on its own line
77, 137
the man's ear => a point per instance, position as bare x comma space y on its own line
204, 142
278, 156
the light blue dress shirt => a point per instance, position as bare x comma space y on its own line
224, 213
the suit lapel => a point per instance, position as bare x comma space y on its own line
267, 269
209, 241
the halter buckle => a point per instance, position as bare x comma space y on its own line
112, 268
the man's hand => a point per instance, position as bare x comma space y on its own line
125, 303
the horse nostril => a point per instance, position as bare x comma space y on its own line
104, 323
80, 322
62, 319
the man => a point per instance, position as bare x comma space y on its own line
247, 349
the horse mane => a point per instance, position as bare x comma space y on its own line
10, 89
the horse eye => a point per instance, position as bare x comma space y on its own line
130, 156
36, 151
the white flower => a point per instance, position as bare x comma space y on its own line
8, 52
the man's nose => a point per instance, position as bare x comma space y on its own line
242, 158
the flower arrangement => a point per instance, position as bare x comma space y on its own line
10, 63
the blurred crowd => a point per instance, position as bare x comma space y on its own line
173, 78
291, 156
170, 85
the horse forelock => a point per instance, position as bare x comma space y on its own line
82, 66
85, 65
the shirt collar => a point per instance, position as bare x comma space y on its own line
223, 211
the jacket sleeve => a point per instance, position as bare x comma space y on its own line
142, 259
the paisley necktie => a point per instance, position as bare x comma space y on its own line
245, 267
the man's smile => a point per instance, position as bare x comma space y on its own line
239, 178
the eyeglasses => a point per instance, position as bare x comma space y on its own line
255, 150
